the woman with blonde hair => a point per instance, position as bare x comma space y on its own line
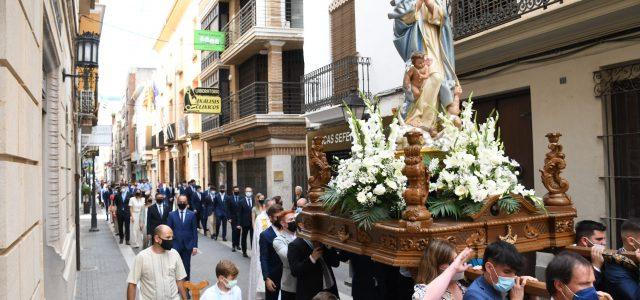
441, 273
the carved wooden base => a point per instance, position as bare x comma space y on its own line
556, 199
401, 243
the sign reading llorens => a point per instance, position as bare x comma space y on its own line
208, 40
202, 101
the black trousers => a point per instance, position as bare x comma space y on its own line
203, 220
221, 221
247, 231
235, 235
123, 221
287, 296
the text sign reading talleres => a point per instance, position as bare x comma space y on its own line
202, 101
208, 40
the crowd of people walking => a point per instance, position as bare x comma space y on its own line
285, 266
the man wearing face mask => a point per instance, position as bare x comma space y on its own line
501, 264
232, 208
158, 270
184, 224
123, 213
570, 276
621, 279
157, 214
245, 222
591, 234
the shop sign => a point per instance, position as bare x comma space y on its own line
202, 101
249, 149
208, 40
335, 138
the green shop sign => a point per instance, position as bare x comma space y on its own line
208, 40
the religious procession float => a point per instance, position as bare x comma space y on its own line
434, 173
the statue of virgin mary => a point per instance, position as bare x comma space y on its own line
425, 26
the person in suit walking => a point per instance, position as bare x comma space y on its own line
123, 214
311, 264
270, 263
106, 195
183, 222
245, 222
207, 206
232, 208
221, 213
183, 188
157, 214
167, 191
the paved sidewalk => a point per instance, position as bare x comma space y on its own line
104, 269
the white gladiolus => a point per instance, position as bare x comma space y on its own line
379, 190
475, 166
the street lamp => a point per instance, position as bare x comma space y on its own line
353, 105
174, 154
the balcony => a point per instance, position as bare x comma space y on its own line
208, 60
471, 17
496, 33
260, 21
254, 98
332, 84
210, 122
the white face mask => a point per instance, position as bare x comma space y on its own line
230, 283
249, 194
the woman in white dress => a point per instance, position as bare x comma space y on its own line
261, 223
136, 205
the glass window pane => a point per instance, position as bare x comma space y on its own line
87, 52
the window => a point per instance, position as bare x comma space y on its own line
619, 89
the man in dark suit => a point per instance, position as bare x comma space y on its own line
123, 213
183, 188
232, 208
183, 222
207, 206
105, 195
270, 262
621, 280
311, 264
245, 222
157, 214
167, 191
221, 213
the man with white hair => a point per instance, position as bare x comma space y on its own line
302, 202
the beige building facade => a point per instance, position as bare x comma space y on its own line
570, 68
38, 146
258, 139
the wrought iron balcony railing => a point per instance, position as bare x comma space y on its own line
154, 142
263, 13
473, 16
225, 111
171, 132
254, 98
208, 59
332, 84
161, 139
210, 122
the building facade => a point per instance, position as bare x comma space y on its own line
39, 144
553, 66
258, 139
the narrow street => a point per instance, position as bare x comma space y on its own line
105, 263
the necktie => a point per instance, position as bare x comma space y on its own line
249, 202
182, 216
160, 209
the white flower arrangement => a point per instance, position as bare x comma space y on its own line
369, 184
475, 167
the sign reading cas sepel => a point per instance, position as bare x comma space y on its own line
202, 101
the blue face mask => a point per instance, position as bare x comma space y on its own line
504, 284
589, 293
298, 210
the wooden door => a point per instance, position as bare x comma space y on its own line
514, 111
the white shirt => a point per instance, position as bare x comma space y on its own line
214, 293
156, 274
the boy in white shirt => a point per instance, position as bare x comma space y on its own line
227, 286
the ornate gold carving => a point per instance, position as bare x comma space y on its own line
343, 233
388, 242
409, 244
363, 237
509, 237
477, 238
564, 226
554, 163
531, 232
416, 214
319, 169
